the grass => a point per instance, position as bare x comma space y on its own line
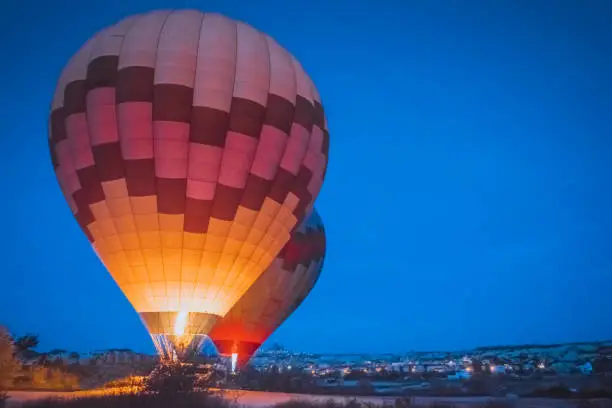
136, 400
399, 403
205, 400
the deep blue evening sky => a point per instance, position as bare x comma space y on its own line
469, 194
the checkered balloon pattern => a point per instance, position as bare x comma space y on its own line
189, 147
275, 294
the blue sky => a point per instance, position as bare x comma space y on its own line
468, 198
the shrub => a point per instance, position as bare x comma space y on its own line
170, 379
49, 378
136, 383
8, 364
176, 378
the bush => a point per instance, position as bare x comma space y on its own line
50, 379
132, 382
176, 378
170, 379
8, 364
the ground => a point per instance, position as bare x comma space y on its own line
258, 399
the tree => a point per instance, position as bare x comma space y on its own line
26, 343
8, 364
277, 347
75, 356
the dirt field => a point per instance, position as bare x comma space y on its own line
257, 399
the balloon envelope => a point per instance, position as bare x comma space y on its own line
189, 146
275, 295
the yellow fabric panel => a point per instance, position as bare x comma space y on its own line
129, 241
146, 222
113, 243
213, 243
189, 274
219, 228
115, 189
125, 224
119, 207
245, 216
193, 241
100, 211
171, 222
150, 240
171, 239
144, 205
247, 250
107, 226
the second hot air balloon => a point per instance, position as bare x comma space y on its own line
189, 146
275, 295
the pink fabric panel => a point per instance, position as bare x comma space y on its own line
297, 146
170, 168
316, 182
214, 79
78, 135
237, 159
70, 181
204, 162
74, 70
201, 190
171, 149
64, 156
314, 157
110, 40
316, 140
252, 78
304, 86
178, 47
101, 116
240, 142
136, 129
315, 93
312, 160
282, 75
135, 149
63, 187
139, 46
270, 149
83, 158
66, 171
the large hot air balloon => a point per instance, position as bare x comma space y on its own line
275, 295
189, 146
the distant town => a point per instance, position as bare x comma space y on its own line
521, 370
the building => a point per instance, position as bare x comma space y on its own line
460, 375
586, 368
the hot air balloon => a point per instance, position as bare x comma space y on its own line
274, 296
189, 146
